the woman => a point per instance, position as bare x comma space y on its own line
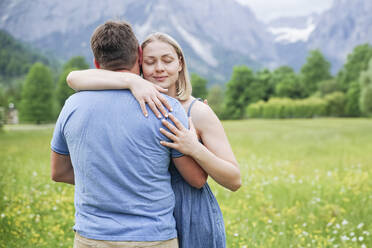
198, 216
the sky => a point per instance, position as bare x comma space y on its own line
267, 10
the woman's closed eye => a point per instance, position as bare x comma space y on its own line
167, 60
149, 61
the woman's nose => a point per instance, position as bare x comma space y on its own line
159, 66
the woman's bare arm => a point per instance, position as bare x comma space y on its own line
215, 155
191, 171
144, 91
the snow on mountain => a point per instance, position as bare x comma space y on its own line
292, 29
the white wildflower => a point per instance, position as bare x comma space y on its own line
345, 238
360, 225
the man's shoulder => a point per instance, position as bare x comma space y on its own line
93, 95
171, 100
84, 93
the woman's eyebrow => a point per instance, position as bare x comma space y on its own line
164, 55
168, 55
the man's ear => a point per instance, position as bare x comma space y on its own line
96, 64
140, 56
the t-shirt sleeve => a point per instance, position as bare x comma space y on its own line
58, 143
180, 114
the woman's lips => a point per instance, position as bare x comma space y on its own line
160, 79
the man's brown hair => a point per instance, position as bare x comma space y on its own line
114, 45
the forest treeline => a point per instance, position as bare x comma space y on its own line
36, 85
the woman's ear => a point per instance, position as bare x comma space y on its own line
180, 62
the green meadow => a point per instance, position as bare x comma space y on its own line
306, 183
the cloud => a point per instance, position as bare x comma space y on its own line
269, 9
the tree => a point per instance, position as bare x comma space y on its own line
262, 87
63, 91
237, 92
315, 70
366, 90
328, 86
215, 100
352, 108
3, 102
3, 98
77, 62
356, 62
37, 93
199, 86
2, 118
336, 104
16, 58
287, 83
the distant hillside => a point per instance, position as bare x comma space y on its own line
16, 57
345, 25
214, 34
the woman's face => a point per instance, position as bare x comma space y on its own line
161, 65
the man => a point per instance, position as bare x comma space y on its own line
123, 196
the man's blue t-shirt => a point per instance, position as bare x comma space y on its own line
122, 183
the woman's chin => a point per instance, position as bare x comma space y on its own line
163, 84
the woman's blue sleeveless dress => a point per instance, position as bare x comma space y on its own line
199, 219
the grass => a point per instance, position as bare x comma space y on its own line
306, 183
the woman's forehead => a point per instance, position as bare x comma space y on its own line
159, 48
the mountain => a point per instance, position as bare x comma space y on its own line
215, 34
16, 58
345, 25
334, 32
290, 38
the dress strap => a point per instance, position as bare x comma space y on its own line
192, 103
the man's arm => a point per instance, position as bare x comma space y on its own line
61, 168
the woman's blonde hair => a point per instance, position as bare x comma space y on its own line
183, 85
